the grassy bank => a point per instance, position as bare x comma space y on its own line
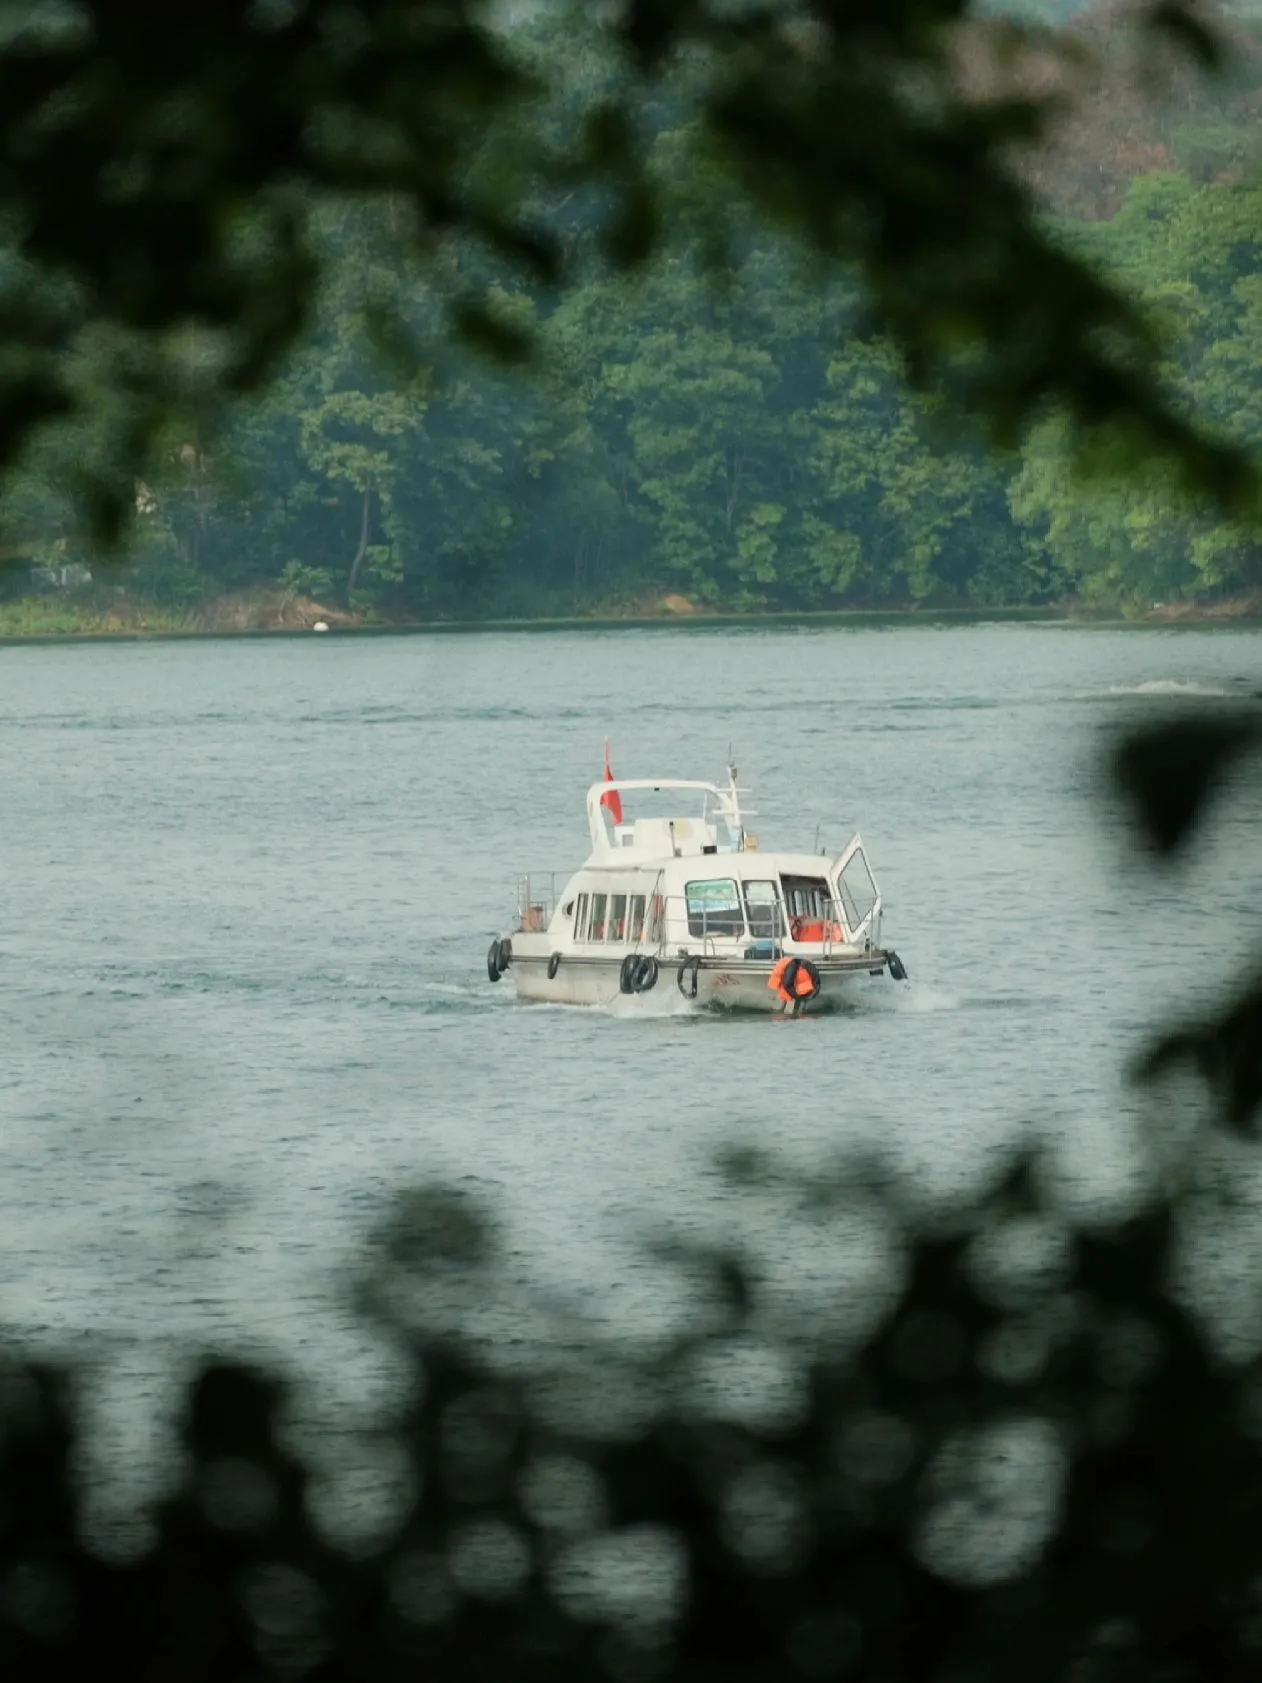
264, 613
53, 616
114, 614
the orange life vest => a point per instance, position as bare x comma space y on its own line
803, 985
801, 930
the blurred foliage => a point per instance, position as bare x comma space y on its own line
1171, 774
1018, 1450
161, 189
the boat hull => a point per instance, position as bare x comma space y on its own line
710, 983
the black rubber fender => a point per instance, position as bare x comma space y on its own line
692, 967
643, 973
493, 968
898, 970
554, 964
627, 973
506, 953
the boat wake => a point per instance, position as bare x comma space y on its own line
1193, 688
906, 999
656, 1005
909, 999
903, 999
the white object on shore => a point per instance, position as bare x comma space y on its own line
319, 626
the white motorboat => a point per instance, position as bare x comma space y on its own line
690, 902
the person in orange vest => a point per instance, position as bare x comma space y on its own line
794, 980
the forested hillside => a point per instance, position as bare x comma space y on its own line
744, 442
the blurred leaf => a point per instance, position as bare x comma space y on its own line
633, 233
1170, 771
1186, 27
503, 341
435, 1225
1226, 1051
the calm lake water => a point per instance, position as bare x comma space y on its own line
248, 888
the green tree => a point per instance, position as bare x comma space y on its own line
355, 438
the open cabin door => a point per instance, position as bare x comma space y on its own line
858, 895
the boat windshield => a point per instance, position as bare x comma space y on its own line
762, 906
857, 889
714, 907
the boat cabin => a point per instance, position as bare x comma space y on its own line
700, 884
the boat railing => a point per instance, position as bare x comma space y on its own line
536, 900
766, 927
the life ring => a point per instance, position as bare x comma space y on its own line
554, 964
796, 980
689, 967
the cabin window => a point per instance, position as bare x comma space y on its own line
635, 918
857, 890
618, 917
714, 908
808, 897
600, 908
762, 903
580, 919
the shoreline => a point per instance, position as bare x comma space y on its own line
1248, 619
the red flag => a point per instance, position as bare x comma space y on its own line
611, 798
